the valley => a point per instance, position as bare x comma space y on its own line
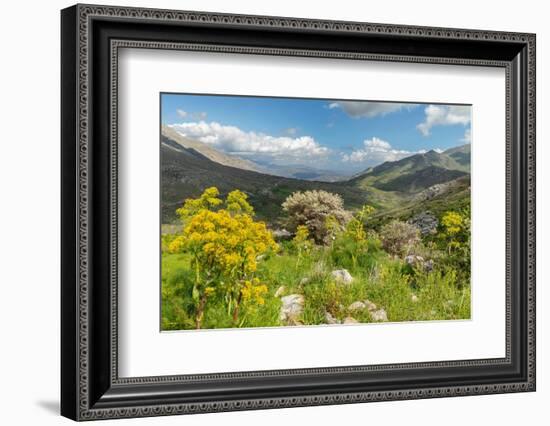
425, 181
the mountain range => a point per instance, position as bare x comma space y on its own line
430, 180
177, 141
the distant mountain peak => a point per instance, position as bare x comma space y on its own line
175, 140
416, 172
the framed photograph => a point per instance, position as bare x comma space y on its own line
263, 212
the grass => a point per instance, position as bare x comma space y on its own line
405, 293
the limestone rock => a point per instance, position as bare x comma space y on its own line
379, 315
342, 276
330, 319
429, 265
413, 259
426, 222
291, 309
281, 234
369, 305
357, 306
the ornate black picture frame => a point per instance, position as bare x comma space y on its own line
91, 36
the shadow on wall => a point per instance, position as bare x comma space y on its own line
50, 406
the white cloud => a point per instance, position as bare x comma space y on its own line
358, 109
375, 151
181, 113
442, 115
232, 140
200, 115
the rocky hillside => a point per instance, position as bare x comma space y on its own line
401, 188
415, 173
186, 171
461, 154
172, 139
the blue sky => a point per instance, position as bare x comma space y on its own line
343, 136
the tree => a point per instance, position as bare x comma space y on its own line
313, 209
224, 242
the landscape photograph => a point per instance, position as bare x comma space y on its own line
280, 211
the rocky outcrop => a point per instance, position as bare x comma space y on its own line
413, 259
329, 319
291, 309
357, 306
370, 306
419, 262
281, 234
426, 222
342, 276
380, 315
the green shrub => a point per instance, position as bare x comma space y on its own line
316, 210
349, 254
398, 238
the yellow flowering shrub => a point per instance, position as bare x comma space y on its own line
236, 202
302, 243
355, 231
355, 228
224, 244
452, 222
333, 228
176, 245
456, 231
253, 291
208, 200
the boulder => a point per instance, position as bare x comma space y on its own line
433, 191
414, 298
429, 265
369, 305
350, 320
357, 306
413, 259
291, 308
330, 319
281, 234
426, 223
379, 315
342, 276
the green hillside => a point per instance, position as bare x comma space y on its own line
412, 174
398, 189
461, 154
185, 173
